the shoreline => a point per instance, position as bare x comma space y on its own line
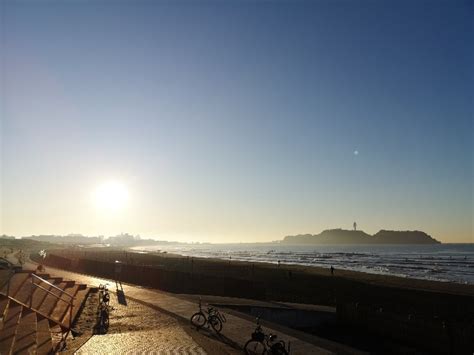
311, 268
239, 269
366, 277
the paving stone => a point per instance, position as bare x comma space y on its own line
176, 341
238, 330
137, 329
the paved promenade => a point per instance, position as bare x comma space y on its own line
137, 329
143, 342
236, 330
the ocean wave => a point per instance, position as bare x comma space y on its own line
439, 262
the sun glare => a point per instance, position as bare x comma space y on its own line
111, 196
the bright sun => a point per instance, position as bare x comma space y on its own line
111, 196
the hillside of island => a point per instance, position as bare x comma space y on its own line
350, 237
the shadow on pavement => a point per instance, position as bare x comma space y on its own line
121, 299
219, 337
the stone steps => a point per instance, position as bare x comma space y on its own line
40, 295
16, 283
8, 327
3, 306
51, 301
25, 338
62, 307
81, 294
44, 345
36, 329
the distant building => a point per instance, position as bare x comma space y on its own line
6, 237
122, 239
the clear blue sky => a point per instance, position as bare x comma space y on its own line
238, 120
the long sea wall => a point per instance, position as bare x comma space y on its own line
434, 321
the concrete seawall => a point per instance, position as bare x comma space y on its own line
167, 280
437, 322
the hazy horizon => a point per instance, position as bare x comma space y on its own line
236, 121
186, 240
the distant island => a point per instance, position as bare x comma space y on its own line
342, 236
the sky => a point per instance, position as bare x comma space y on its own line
236, 121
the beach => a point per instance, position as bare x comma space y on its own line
438, 262
263, 271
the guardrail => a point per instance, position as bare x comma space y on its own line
37, 284
71, 298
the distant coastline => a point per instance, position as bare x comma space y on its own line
355, 237
327, 237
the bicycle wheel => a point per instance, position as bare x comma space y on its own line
222, 317
104, 316
106, 298
100, 307
254, 347
278, 349
198, 320
103, 321
215, 323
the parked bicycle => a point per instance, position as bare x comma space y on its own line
214, 318
103, 309
261, 343
104, 296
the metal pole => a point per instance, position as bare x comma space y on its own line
70, 313
31, 294
8, 284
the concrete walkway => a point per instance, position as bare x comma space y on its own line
236, 331
138, 329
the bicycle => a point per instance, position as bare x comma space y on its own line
261, 343
214, 318
104, 296
103, 309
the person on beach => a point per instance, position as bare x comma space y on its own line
332, 270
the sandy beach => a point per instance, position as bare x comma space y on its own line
257, 271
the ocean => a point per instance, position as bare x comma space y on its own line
441, 262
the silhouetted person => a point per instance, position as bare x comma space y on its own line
278, 263
332, 270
